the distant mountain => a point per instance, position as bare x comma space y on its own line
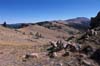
18, 25
78, 23
78, 19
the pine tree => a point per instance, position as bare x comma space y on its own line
5, 24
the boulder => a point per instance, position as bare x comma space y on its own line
32, 55
96, 56
88, 50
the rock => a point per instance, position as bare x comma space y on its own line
86, 63
66, 54
55, 54
25, 56
59, 64
88, 50
96, 56
32, 55
95, 21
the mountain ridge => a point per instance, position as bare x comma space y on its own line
80, 20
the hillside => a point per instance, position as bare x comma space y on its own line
14, 43
35, 38
79, 23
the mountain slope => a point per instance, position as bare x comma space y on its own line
80, 23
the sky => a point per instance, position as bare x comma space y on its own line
20, 11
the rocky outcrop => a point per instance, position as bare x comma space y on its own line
96, 56
95, 21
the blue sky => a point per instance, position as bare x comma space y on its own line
16, 11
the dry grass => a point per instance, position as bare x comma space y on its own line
16, 43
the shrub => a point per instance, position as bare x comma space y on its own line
38, 35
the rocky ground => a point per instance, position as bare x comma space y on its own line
15, 44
